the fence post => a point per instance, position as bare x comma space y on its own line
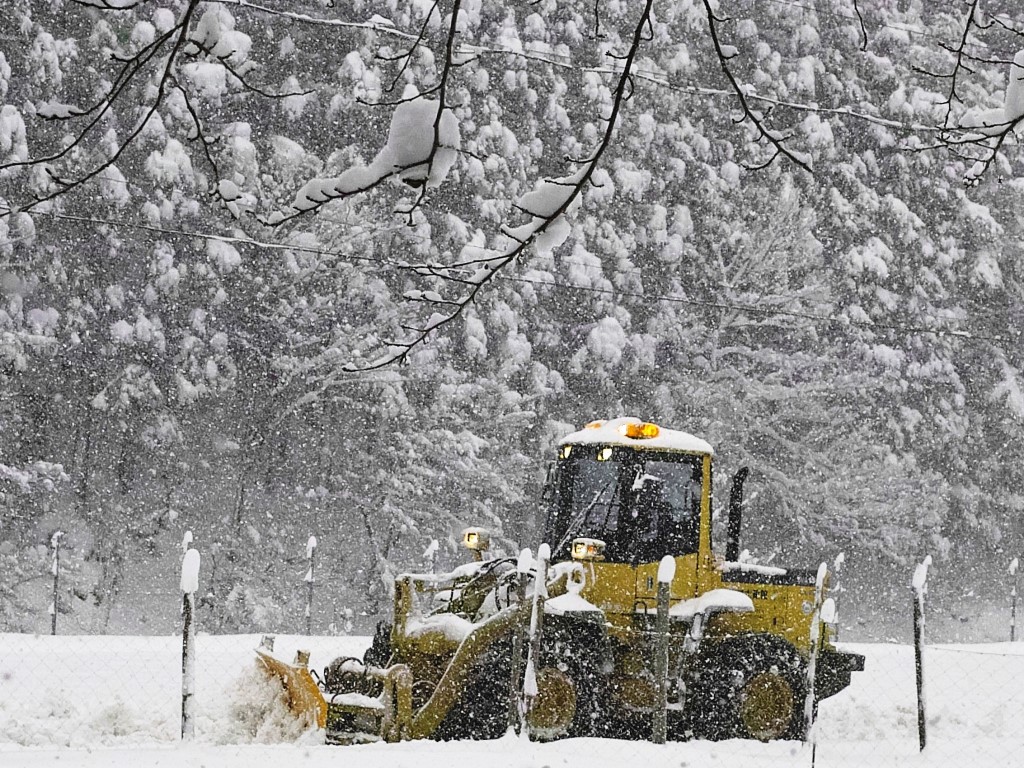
310, 579
837, 589
1013, 598
430, 555
810, 708
920, 586
55, 570
666, 572
189, 586
540, 591
515, 711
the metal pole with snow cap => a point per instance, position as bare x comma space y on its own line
1013, 598
837, 590
430, 556
189, 586
812, 661
920, 587
540, 592
55, 570
310, 579
516, 712
666, 572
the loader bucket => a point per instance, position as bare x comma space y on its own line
304, 697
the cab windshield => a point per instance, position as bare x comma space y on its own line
642, 504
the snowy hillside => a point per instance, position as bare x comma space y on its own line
114, 701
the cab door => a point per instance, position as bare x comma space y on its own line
684, 583
664, 515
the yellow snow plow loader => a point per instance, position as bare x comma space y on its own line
563, 644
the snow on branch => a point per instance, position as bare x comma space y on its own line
546, 206
977, 135
423, 142
146, 75
661, 80
421, 149
130, 73
39, 474
375, 23
110, 5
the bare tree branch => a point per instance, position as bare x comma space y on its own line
304, 18
863, 29
399, 350
325, 194
748, 114
166, 78
104, 105
958, 66
407, 56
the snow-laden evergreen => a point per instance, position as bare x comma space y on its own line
171, 361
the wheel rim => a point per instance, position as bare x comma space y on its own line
766, 706
554, 707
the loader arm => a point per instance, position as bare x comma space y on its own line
456, 676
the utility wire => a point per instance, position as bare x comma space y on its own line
569, 287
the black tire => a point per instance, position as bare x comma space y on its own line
574, 651
569, 662
748, 687
481, 712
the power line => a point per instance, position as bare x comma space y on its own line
831, 319
914, 31
768, 312
659, 79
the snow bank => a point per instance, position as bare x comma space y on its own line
114, 702
88, 691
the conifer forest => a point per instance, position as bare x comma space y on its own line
350, 268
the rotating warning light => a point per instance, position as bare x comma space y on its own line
642, 431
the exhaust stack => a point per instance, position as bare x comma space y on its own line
732, 545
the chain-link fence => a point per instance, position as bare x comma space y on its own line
80, 692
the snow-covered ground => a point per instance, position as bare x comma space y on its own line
95, 701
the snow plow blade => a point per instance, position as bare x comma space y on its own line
304, 697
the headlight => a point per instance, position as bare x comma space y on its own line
588, 549
476, 539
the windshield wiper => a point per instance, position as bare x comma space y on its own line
582, 516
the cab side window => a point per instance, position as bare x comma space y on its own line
678, 505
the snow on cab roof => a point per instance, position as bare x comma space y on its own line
613, 432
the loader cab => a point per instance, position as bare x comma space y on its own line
635, 487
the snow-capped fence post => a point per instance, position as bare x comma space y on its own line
540, 591
810, 709
666, 572
1014, 591
310, 579
837, 589
430, 555
55, 570
920, 587
515, 711
189, 586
